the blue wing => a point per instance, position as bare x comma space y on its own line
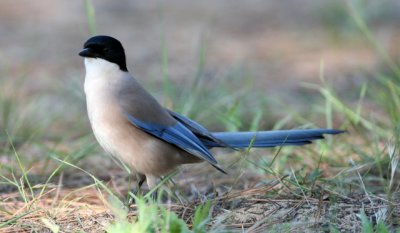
177, 135
205, 136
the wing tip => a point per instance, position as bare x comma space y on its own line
219, 168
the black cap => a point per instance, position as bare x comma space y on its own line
107, 48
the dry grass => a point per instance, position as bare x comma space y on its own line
87, 210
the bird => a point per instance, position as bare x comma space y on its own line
130, 124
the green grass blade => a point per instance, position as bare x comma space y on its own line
90, 15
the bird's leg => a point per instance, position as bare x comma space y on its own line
152, 183
140, 179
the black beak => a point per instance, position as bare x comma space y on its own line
86, 52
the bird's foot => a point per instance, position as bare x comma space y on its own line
154, 195
136, 192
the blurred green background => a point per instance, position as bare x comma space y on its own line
231, 65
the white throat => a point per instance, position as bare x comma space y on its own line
100, 74
98, 66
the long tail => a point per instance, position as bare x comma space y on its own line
268, 138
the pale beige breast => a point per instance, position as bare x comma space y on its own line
143, 152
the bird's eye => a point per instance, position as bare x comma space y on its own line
106, 50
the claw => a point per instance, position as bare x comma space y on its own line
154, 195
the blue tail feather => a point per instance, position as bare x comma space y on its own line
237, 140
268, 138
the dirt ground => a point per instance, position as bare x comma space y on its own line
282, 43
233, 210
